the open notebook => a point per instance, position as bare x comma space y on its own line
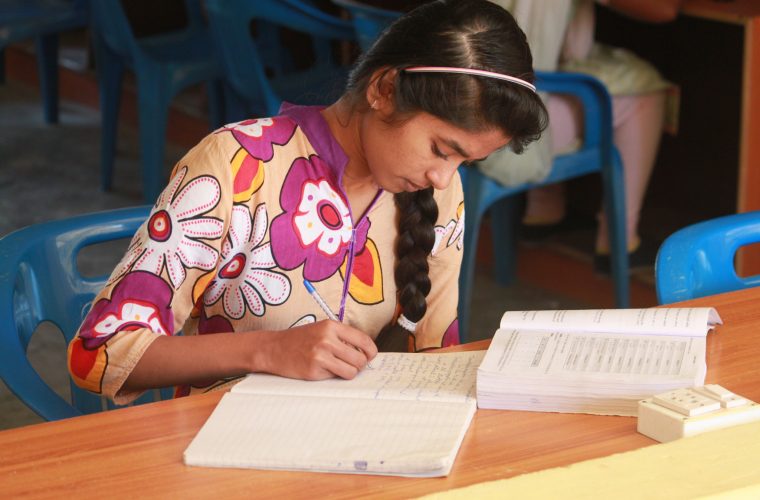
405, 416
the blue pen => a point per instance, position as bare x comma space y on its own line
322, 304
319, 300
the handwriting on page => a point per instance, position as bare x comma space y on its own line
424, 377
430, 377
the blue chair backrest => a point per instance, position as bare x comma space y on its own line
40, 282
368, 21
230, 22
699, 260
42, 13
110, 21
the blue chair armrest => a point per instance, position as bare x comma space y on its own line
40, 281
699, 260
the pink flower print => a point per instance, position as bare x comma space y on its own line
258, 135
315, 228
245, 278
140, 300
170, 238
451, 335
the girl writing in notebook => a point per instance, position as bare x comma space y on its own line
361, 199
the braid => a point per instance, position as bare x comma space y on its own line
418, 213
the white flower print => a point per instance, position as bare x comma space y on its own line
457, 235
244, 276
253, 128
456, 228
304, 320
171, 236
131, 313
440, 232
323, 217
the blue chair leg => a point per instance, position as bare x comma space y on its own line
504, 216
614, 207
153, 108
110, 73
47, 64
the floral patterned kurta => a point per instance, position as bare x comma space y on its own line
249, 213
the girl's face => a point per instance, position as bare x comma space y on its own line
421, 151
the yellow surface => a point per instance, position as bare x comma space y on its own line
718, 464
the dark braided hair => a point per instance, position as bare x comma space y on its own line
456, 33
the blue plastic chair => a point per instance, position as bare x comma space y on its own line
368, 21
698, 260
41, 20
164, 65
40, 282
246, 67
483, 194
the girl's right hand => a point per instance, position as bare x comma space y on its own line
314, 351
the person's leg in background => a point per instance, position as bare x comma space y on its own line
545, 206
637, 122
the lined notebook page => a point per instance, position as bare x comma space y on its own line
349, 435
406, 376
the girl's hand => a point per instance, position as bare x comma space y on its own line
315, 351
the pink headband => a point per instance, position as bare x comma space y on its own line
470, 71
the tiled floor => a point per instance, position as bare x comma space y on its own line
50, 172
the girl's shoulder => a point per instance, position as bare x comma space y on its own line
257, 136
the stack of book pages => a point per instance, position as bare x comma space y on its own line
593, 361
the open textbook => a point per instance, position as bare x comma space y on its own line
406, 416
593, 361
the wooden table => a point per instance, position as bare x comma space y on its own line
744, 13
138, 451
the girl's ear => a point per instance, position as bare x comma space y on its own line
381, 89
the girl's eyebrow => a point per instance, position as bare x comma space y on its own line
455, 146
460, 151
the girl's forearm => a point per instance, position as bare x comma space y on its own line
184, 360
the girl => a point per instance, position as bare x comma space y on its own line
361, 199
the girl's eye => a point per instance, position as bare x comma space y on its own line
438, 152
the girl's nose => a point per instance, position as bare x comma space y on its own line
440, 177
